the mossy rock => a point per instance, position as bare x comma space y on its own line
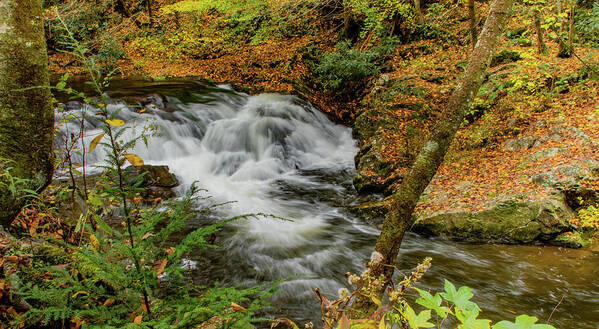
373, 212
371, 170
505, 57
512, 221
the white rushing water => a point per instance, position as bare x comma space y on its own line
277, 155
259, 152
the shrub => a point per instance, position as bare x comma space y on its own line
589, 218
587, 25
345, 71
379, 16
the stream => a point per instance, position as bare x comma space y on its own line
277, 154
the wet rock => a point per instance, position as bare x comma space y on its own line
372, 170
513, 145
156, 176
511, 221
157, 182
72, 106
373, 212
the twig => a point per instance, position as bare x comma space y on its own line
555, 308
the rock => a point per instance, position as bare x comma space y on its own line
579, 196
547, 153
545, 139
383, 80
365, 126
510, 221
433, 78
158, 182
513, 145
505, 57
157, 176
372, 170
524, 42
517, 33
373, 212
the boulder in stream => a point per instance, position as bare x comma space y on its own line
510, 221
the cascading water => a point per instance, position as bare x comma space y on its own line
276, 154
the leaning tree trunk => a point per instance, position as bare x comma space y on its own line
26, 114
430, 158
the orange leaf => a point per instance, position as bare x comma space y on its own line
109, 302
147, 235
344, 322
238, 308
161, 267
138, 319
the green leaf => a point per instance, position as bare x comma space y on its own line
460, 297
475, 324
418, 321
434, 303
103, 226
522, 322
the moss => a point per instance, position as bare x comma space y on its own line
26, 115
508, 222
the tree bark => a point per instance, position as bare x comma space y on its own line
563, 50
121, 7
472, 15
431, 156
418, 11
26, 113
149, 9
541, 47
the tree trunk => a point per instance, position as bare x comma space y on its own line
121, 8
431, 156
472, 14
571, 27
541, 47
149, 9
418, 12
563, 50
26, 113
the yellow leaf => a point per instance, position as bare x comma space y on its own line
376, 301
80, 293
116, 122
238, 308
94, 242
134, 159
138, 319
109, 302
95, 142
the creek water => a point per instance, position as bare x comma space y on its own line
278, 155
